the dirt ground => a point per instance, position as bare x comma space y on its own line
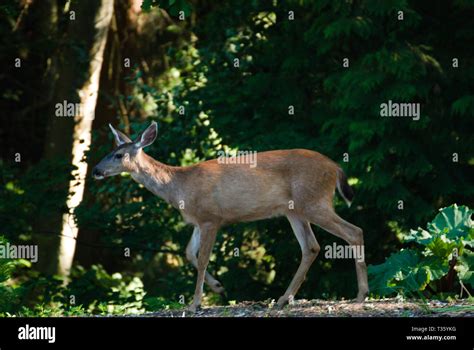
323, 308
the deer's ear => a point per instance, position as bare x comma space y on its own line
148, 136
120, 137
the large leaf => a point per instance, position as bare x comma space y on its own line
455, 221
453, 224
420, 236
465, 268
412, 270
401, 272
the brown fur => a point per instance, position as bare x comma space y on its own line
230, 193
298, 184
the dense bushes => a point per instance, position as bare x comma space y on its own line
91, 291
402, 170
439, 264
441, 261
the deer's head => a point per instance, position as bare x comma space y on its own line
126, 156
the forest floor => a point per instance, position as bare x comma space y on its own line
323, 308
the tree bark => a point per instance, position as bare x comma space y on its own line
67, 137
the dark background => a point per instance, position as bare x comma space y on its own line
427, 164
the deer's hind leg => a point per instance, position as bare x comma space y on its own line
309, 251
329, 221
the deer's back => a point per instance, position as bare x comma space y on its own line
281, 181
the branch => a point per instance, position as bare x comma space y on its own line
22, 14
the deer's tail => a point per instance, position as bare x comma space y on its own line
343, 187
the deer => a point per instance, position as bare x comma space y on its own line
297, 183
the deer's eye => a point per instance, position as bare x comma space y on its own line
118, 156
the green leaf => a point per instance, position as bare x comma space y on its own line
401, 272
451, 227
465, 266
463, 105
454, 221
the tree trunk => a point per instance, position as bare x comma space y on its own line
68, 137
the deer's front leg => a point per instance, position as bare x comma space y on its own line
208, 237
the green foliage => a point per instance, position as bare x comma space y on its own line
299, 63
90, 291
282, 63
464, 106
159, 303
36, 193
171, 6
99, 292
446, 245
8, 295
450, 229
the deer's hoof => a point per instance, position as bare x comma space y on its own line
282, 302
361, 297
193, 308
218, 288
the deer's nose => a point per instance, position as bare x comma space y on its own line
96, 173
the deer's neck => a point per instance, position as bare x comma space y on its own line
155, 176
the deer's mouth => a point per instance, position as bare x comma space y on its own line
97, 174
